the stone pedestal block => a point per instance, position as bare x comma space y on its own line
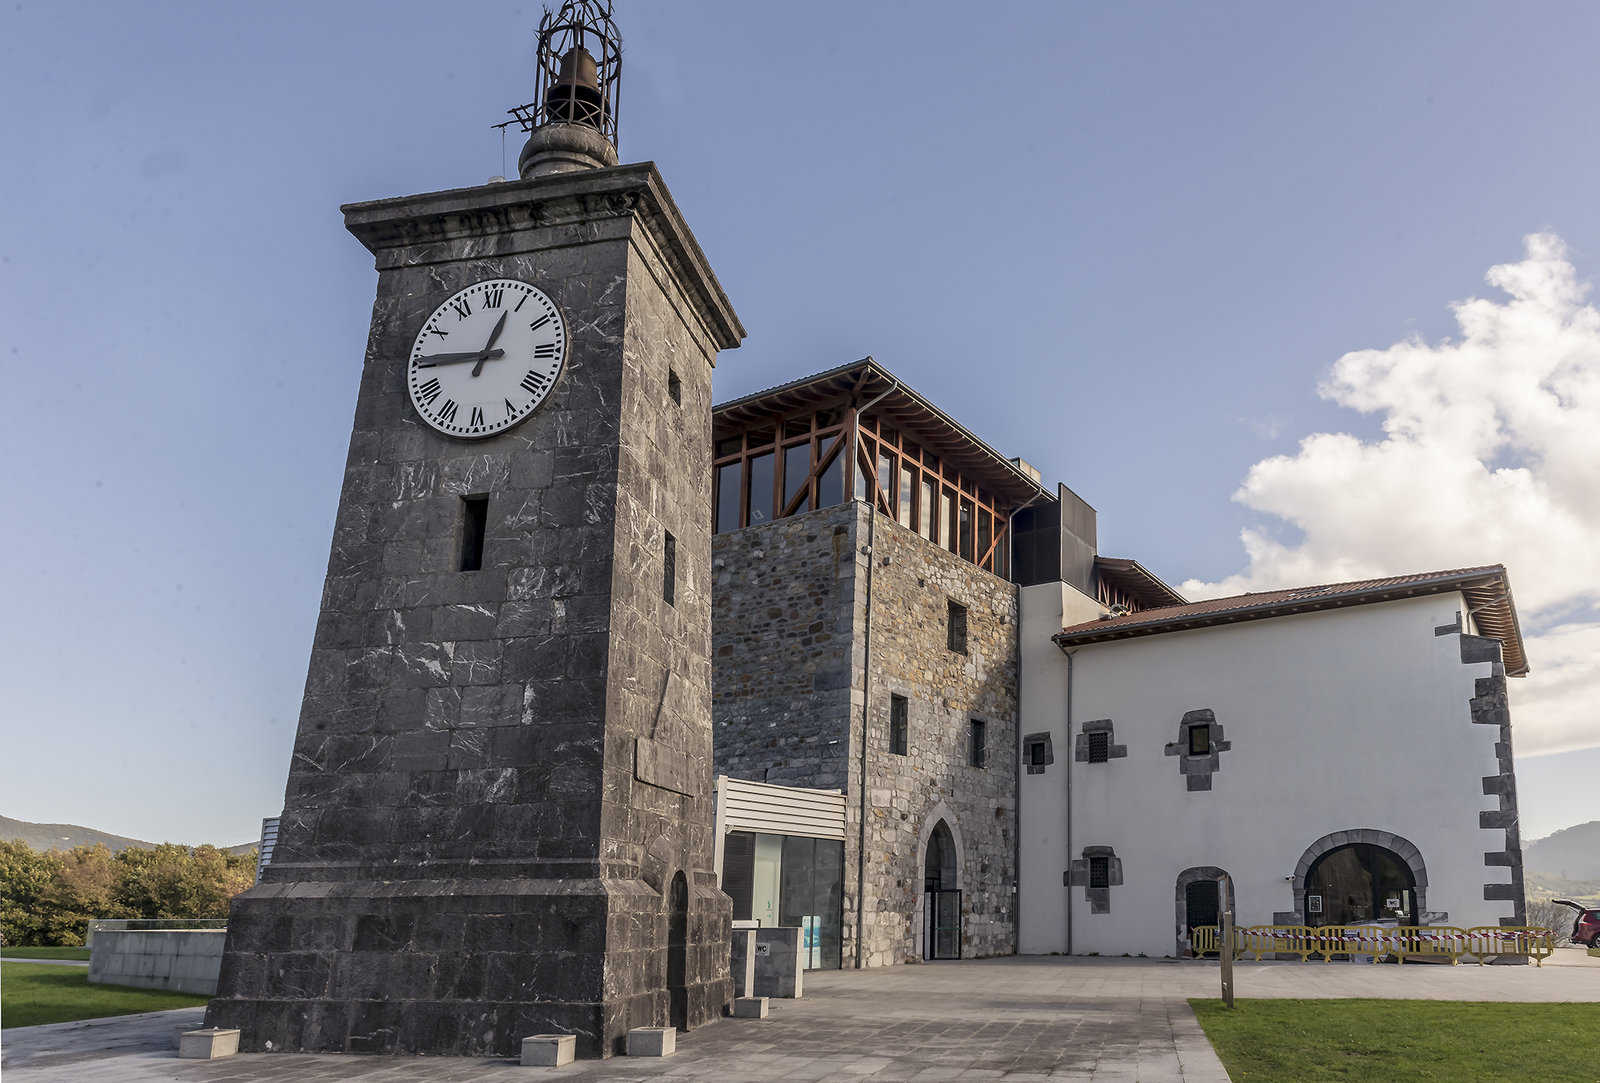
548, 1050
652, 1041
208, 1044
750, 1007
456, 968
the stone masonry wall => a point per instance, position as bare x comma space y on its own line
781, 649
913, 584
791, 674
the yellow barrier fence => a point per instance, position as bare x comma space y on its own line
1482, 942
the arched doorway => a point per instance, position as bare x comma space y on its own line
1199, 902
1360, 882
941, 909
677, 952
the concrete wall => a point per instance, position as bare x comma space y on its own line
184, 960
1363, 719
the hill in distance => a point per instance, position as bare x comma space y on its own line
1570, 854
43, 837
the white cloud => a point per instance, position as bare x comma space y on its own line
1490, 454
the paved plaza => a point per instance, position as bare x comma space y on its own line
1016, 1018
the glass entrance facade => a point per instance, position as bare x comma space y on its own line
1360, 883
790, 881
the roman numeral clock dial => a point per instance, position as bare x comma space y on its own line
487, 358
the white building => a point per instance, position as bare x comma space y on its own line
1343, 752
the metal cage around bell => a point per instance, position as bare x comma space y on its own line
579, 70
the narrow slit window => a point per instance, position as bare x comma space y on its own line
675, 387
1099, 747
899, 709
669, 572
978, 742
1199, 740
956, 628
474, 519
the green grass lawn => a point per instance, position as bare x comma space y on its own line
33, 993
1353, 1041
79, 954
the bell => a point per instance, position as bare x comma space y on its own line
574, 97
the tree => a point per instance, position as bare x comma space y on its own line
171, 881
84, 887
25, 876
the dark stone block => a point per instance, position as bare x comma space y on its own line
384, 932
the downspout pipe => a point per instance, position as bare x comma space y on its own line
1068, 758
866, 686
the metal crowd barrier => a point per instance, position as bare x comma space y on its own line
1482, 942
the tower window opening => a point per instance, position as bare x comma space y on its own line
669, 573
474, 520
956, 628
899, 708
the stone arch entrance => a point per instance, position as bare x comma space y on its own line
1199, 902
941, 894
1352, 876
677, 952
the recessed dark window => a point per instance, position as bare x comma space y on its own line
669, 578
1036, 755
675, 387
1099, 872
474, 519
978, 742
956, 628
1099, 747
899, 709
1199, 740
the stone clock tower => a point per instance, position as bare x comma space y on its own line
498, 816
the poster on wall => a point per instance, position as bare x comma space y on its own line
1313, 904
811, 941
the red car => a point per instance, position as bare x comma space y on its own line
1586, 928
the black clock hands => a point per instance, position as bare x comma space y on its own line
489, 346
480, 356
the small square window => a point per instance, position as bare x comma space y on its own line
1099, 872
978, 745
899, 709
956, 628
1199, 740
1099, 747
1036, 756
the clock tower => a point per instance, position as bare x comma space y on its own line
498, 816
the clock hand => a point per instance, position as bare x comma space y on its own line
479, 356
484, 356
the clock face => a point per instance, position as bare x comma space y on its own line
487, 358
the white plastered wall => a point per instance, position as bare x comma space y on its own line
1345, 719
1042, 815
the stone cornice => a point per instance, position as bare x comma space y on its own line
562, 199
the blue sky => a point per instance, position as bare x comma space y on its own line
1128, 243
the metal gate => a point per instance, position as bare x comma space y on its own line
941, 924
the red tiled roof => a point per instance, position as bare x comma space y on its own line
1487, 590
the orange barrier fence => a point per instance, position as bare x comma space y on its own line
1482, 942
